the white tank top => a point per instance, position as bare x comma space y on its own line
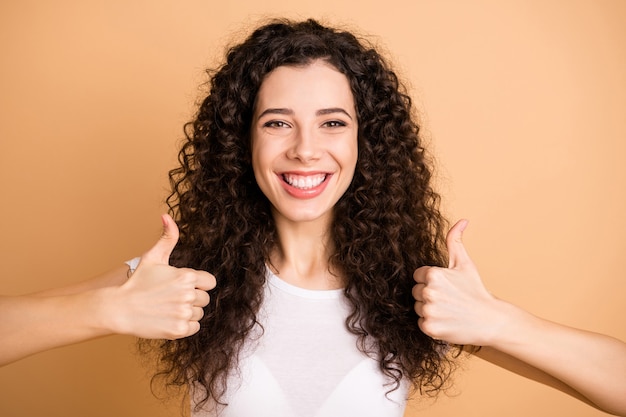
306, 363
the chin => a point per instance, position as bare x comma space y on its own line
301, 215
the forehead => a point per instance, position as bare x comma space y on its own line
316, 85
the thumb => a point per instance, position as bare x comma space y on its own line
161, 251
457, 254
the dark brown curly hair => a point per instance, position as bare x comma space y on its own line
386, 225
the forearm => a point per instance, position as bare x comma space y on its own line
114, 277
592, 364
33, 324
454, 305
158, 302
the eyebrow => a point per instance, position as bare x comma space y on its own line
290, 112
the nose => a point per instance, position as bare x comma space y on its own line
304, 146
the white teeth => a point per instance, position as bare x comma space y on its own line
304, 182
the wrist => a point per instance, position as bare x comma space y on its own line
107, 316
511, 326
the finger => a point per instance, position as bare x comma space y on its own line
421, 274
456, 250
191, 327
418, 307
420, 323
161, 251
417, 292
194, 327
202, 298
205, 281
197, 314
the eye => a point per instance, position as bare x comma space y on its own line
334, 123
275, 124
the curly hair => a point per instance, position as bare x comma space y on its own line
386, 225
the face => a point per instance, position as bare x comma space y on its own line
304, 140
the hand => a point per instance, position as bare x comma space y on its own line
452, 303
160, 301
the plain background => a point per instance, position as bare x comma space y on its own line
523, 103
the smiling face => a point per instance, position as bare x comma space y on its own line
304, 140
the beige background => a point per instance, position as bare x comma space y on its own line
524, 102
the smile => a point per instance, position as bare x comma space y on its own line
304, 182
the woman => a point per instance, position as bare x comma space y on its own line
305, 190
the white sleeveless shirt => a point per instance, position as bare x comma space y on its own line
306, 363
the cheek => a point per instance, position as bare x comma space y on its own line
347, 156
257, 148
352, 154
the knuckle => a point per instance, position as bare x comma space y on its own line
427, 310
180, 329
187, 296
434, 275
184, 312
188, 275
428, 294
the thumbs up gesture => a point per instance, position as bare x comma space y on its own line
452, 303
160, 301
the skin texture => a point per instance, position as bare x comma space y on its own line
304, 126
157, 301
453, 304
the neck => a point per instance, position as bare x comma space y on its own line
302, 255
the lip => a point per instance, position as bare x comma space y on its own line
307, 193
